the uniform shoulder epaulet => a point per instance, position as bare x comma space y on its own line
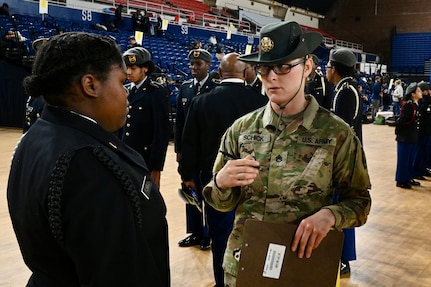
155, 84
216, 81
187, 82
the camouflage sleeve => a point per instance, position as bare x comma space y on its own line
352, 182
223, 200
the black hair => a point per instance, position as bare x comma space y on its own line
64, 59
343, 70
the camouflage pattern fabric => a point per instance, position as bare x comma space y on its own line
300, 165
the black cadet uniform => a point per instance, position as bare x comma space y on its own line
347, 104
147, 127
189, 90
33, 111
59, 208
320, 89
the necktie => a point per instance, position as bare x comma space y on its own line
197, 88
133, 91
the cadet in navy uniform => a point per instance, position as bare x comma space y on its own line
34, 105
252, 79
82, 203
200, 63
209, 116
407, 131
147, 127
318, 86
424, 140
347, 104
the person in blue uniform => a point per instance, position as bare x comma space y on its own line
82, 203
347, 104
407, 134
202, 81
147, 127
209, 116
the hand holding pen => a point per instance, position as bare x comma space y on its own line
237, 172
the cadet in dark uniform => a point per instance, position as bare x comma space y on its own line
252, 79
147, 128
82, 203
347, 104
318, 86
209, 116
424, 140
407, 131
34, 105
200, 63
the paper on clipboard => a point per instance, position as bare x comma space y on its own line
266, 259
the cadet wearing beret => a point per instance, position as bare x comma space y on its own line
347, 104
291, 154
147, 126
200, 63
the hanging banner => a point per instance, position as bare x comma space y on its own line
43, 7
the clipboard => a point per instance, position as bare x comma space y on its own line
266, 258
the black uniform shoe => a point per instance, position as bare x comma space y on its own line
420, 177
191, 240
205, 244
414, 182
404, 185
345, 268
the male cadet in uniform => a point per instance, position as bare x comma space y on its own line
291, 154
200, 63
209, 116
347, 104
252, 79
147, 127
317, 85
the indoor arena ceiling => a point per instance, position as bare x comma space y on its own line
317, 6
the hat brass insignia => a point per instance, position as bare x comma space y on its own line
196, 53
266, 44
132, 59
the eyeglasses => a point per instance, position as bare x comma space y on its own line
279, 69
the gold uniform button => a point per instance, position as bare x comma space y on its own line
127, 134
145, 148
130, 107
128, 125
129, 116
140, 108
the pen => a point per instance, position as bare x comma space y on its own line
228, 154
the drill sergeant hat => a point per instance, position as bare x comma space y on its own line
283, 41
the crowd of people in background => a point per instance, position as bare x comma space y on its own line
341, 95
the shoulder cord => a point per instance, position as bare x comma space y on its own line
322, 80
55, 189
414, 113
352, 88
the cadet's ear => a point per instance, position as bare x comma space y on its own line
89, 85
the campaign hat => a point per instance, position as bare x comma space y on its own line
283, 41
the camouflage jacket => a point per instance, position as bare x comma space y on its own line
300, 165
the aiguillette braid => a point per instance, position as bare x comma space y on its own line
124, 179
55, 190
